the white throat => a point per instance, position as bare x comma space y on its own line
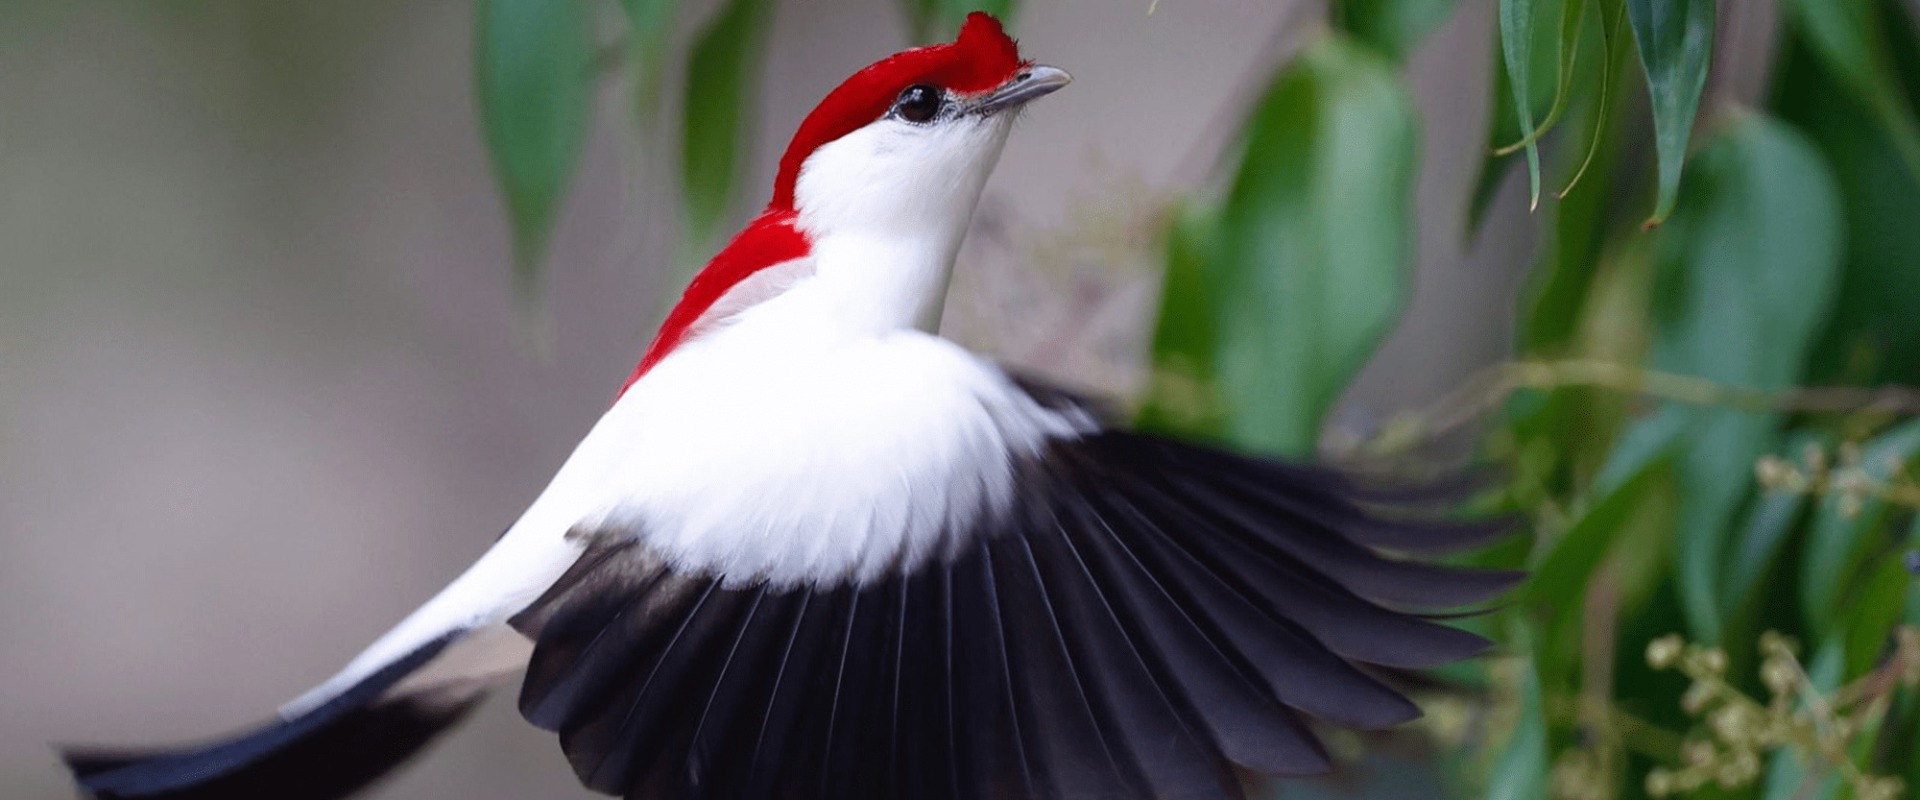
886, 208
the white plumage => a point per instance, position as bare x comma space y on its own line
813, 428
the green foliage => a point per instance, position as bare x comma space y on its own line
1183, 396
1849, 522
720, 80
1747, 268
1393, 27
536, 98
1843, 33
1675, 38
649, 39
1519, 772
1704, 422
1882, 245
1533, 40
1314, 242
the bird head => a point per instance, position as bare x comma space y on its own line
897, 153
906, 144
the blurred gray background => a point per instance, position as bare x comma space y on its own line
261, 390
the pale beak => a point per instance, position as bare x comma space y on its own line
1031, 83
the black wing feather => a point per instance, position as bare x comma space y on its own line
1157, 730
1145, 616
1340, 619
1246, 721
329, 752
1298, 669
1065, 740
986, 717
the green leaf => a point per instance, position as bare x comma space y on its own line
1539, 83
1561, 285
1771, 517
1637, 449
1845, 35
1530, 33
1839, 542
1623, 517
1876, 606
721, 78
1316, 241
650, 37
1675, 39
1788, 777
1557, 582
939, 20
648, 17
1394, 27
1180, 396
536, 101
1874, 335
1747, 271
1520, 771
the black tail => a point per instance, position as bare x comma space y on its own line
329, 752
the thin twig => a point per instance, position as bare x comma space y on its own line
1486, 390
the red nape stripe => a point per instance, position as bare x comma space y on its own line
981, 58
769, 239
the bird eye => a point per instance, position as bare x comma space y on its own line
919, 103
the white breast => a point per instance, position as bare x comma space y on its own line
815, 429
811, 460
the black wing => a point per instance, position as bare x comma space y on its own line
332, 751
1148, 616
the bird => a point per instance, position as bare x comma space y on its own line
814, 550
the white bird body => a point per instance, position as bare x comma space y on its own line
810, 519
768, 445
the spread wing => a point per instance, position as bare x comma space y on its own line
1144, 616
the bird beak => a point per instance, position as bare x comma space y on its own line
1031, 83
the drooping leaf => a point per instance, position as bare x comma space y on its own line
1394, 27
1611, 32
1542, 48
1316, 241
531, 58
1847, 38
1561, 282
1748, 267
722, 76
1675, 41
1839, 540
1530, 33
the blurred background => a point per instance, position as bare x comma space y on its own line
302, 302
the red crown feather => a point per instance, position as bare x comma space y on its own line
981, 58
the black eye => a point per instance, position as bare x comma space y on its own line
918, 103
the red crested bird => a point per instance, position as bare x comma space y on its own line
816, 551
